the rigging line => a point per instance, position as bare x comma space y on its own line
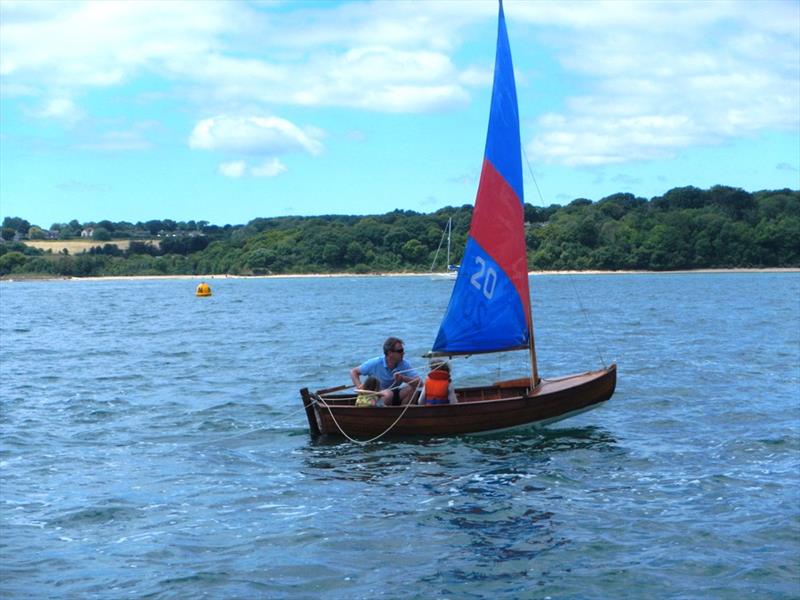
569, 275
380, 435
399, 385
435, 256
373, 393
530, 170
286, 419
413, 368
409, 370
588, 321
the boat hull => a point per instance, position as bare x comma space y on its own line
497, 407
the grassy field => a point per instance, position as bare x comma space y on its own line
78, 246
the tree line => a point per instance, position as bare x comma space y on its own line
686, 228
15, 227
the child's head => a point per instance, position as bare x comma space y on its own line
371, 383
440, 365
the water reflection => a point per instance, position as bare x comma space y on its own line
540, 441
492, 502
498, 444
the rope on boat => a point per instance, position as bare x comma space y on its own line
347, 387
588, 321
380, 435
316, 398
291, 415
320, 400
569, 275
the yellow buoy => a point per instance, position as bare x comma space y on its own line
203, 289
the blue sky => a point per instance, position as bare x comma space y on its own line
229, 111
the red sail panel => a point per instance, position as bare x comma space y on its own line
496, 227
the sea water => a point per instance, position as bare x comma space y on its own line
153, 445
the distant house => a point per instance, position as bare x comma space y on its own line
52, 234
87, 233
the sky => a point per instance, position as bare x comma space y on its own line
229, 111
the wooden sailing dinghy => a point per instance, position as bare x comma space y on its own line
489, 311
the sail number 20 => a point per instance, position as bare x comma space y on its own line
485, 279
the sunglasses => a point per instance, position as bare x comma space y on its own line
401, 351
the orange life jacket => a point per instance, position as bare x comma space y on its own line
436, 385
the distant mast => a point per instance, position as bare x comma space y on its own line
449, 230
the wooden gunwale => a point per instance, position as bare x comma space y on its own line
511, 407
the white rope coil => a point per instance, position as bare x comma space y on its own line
380, 435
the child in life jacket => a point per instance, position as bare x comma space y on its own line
365, 397
438, 388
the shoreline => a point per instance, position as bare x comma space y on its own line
33, 278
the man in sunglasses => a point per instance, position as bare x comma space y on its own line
392, 370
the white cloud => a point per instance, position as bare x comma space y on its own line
653, 76
350, 55
377, 78
380, 78
233, 169
60, 109
477, 77
238, 168
662, 76
76, 45
408, 24
270, 168
585, 141
253, 135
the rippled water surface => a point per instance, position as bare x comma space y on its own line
153, 445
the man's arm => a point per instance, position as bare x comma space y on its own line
355, 375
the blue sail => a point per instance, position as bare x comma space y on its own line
489, 309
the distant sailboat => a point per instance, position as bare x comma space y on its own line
452, 270
489, 311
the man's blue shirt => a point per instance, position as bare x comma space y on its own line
377, 368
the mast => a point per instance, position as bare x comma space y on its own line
449, 229
439, 247
532, 349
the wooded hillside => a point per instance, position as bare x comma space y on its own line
686, 228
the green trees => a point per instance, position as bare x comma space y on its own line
10, 260
36, 233
686, 228
413, 251
17, 224
101, 234
184, 245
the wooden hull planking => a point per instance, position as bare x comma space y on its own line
501, 406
